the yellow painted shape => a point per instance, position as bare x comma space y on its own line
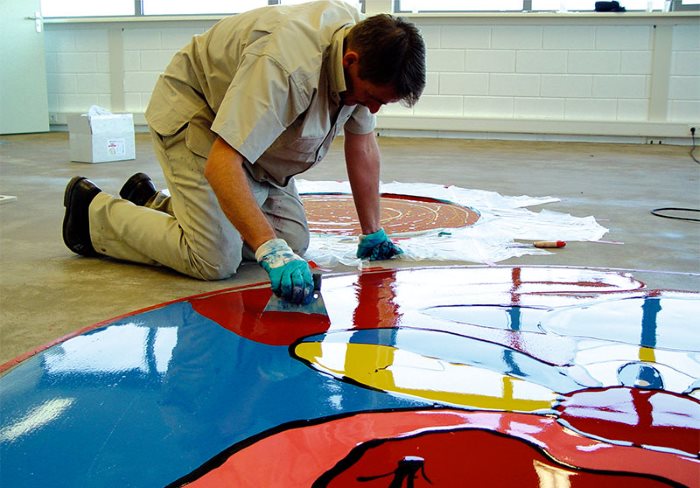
647, 354
398, 371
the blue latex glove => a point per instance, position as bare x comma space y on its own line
377, 247
290, 276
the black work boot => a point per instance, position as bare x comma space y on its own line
138, 189
76, 224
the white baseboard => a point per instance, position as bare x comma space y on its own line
672, 133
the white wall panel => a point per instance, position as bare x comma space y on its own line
539, 108
587, 109
621, 37
464, 84
142, 38
431, 36
686, 63
635, 62
74, 62
94, 83
509, 68
432, 84
516, 37
684, 88
459, 37
175, 38
516, 85
488, 107
568, 86
593, 62
449, 106
568, 37
445, 60
634, 110
141, 82
489, 61
685, 110
541, 61
156, 60
624, 86
686, 37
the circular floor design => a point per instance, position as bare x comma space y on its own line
209, 389
401, 214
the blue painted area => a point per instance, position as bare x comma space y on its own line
650, 311
147, 399
640, 375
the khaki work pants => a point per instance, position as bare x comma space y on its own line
187, 231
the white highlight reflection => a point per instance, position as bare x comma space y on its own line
35, 419
116, 349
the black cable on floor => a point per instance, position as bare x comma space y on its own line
657, 211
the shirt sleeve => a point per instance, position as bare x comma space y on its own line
362, 121
260, 103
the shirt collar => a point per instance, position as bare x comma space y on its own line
335, 63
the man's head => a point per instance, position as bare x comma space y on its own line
384, 62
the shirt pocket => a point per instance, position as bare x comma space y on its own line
291, 146
304, 149
199, 138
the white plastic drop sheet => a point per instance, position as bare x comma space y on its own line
503, 219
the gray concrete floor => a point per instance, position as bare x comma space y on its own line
47, 292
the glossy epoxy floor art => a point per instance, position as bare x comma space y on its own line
453, 376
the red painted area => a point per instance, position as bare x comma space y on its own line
642, 417
243, 314
464, 457
459, 448
376, 292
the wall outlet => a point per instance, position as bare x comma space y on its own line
53, 118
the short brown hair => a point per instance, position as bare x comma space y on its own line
391, 51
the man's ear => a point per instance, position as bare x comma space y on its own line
350, 58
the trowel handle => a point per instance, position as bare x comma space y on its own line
317, 281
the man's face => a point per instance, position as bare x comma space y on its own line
363, 92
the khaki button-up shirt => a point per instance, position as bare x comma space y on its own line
268, 82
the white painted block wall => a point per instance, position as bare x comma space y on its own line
77, 69
507, 69
684, 89
588, 73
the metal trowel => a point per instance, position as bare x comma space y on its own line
317, 306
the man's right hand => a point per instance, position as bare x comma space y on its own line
290, 275
377, 247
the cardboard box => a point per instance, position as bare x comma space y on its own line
101, 138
